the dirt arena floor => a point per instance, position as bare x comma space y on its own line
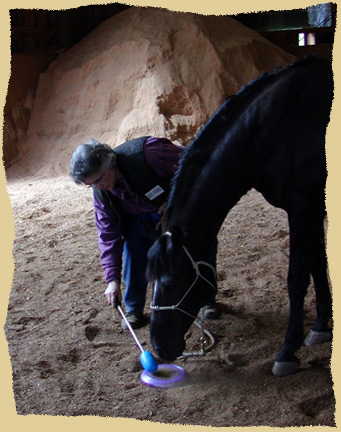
70, 356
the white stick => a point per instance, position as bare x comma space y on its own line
130, 328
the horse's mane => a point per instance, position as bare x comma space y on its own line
200, 149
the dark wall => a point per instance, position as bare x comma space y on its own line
284, 27
40, 30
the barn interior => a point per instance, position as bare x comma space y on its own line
39, 36
113, 72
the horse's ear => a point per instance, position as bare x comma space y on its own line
177, 236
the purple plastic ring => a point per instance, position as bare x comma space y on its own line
165, 376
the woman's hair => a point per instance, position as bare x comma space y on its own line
89, 159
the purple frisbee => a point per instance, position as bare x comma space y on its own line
165, 376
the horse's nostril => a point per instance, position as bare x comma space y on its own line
163, 354
170, 352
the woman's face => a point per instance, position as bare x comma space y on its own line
103, 180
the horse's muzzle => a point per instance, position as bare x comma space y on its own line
168, 350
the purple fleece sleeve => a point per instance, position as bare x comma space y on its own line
110, 241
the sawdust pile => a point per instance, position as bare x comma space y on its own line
144, 71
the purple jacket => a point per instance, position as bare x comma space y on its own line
162, 156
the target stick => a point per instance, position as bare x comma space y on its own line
147, 359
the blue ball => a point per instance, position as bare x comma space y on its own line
148, 362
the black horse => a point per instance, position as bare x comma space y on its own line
269, 136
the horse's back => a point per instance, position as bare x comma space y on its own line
313, 88
297, 108
300, 94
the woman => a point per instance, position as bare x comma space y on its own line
131, 185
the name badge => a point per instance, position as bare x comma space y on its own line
154, 193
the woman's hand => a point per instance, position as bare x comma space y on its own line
113, 293
162, 209
162, 222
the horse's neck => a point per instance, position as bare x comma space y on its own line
222, 181
227, 157
220, 166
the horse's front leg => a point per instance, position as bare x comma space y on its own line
298, 280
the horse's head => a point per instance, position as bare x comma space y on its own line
181, 287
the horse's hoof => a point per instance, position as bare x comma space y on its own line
285, 368
315, 337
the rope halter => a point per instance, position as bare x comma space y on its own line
198, 275
200, 324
